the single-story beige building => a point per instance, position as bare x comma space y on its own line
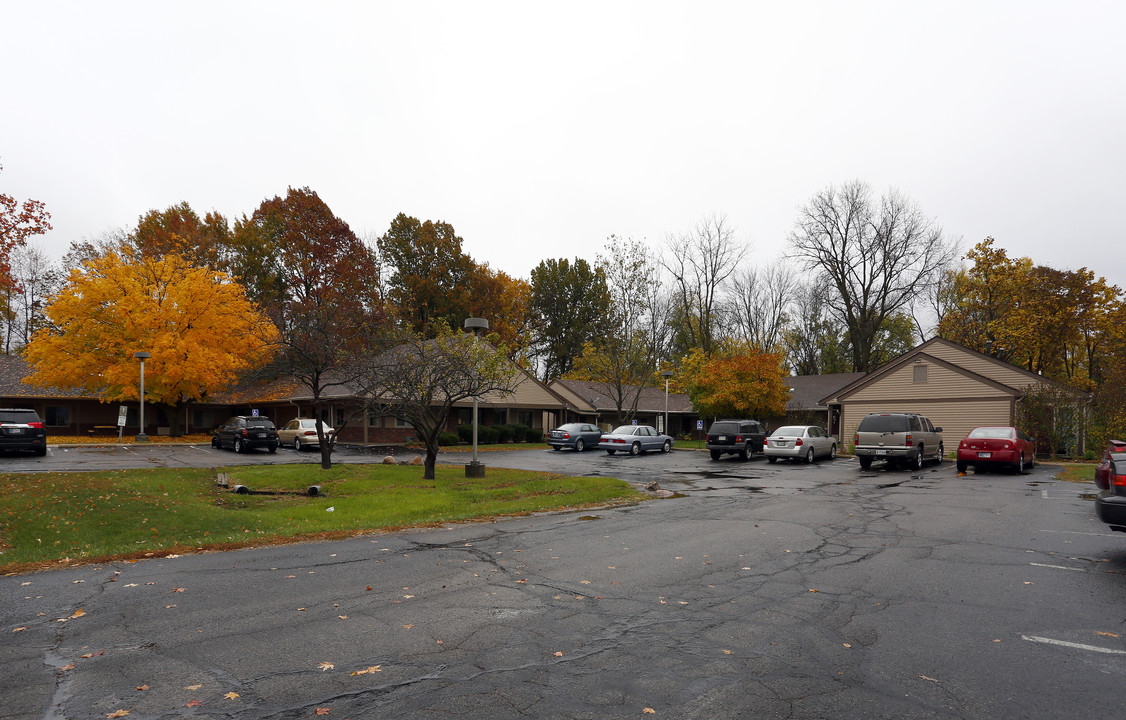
591, 402
956, 387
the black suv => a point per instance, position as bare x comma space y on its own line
21, 429
735, 436
243, 432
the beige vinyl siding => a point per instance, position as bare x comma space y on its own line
981, 365
941, 383
955, 417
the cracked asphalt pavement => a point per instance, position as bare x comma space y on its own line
756, 591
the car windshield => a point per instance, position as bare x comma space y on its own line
884, 423
992, 433
790, 430
18, 416
624, 430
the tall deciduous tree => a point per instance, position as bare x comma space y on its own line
196, 322
420, 378
178, 230
36, 278
429, 275
700, 263
816, 342
760, 304
570, 301
878, 256
326, 295
18, 222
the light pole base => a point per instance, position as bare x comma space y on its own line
141, 438
475, 470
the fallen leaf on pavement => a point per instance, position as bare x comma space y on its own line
68, 667
369, 670
231, 695
193, 687
408, 627
323, 711
325, 666
78, 613
558, 654
924, 677
649, 711
194, 703
142, 687
1108, 634
117, 713
19, 629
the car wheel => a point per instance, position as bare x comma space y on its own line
809, 457
771, 459
667, 447
41, 451
556, 448
580, 445
273, 448
635, 449
941, 454
215, 442
716, 454
237, 446
917, 461
865, 463
611, 452
297, 444
833, 451
1020, 465
962, 467
745, 452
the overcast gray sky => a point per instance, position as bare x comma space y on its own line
539, 129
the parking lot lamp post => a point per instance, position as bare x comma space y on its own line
666, 374
141, 436
474, 468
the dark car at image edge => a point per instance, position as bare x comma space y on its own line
22, 429
1110, 502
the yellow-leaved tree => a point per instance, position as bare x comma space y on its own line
735, 381
196, 322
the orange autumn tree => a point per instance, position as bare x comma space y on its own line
735, 381
196, 322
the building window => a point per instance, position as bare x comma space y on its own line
57, 416
920, 373
401, 423
524, 417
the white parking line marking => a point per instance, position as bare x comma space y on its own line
1074, 532
1077, 646
1058, 567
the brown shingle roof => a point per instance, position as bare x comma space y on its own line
13, 369
652, 399
807, 391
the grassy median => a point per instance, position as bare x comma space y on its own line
50, 519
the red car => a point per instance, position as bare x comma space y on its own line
1102, 472
995, 446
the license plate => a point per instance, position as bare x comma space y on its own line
779, 443
15, 431
881, 452
261, 434
984, 454
721, 438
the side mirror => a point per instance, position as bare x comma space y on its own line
938, 429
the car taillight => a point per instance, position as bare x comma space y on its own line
907, 442
310, 432
1118, 480
797, 442
35, 425
738, 438
856, 439
566, 435
245, 432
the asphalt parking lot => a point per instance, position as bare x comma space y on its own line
756, 590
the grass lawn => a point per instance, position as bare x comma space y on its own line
1076, 472
48, 519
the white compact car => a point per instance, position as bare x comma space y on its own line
302, 433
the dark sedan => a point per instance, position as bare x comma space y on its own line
1110, 503
634, 439
579, 436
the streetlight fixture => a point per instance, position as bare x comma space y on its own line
142, 356
666, 374
475, 469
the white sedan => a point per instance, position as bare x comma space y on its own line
800, 442
302, 433
634, 439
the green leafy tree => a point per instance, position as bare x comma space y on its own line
569, 301
429, 276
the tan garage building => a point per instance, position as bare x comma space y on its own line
956, 387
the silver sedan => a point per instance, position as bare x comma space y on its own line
800, 442
634, 439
